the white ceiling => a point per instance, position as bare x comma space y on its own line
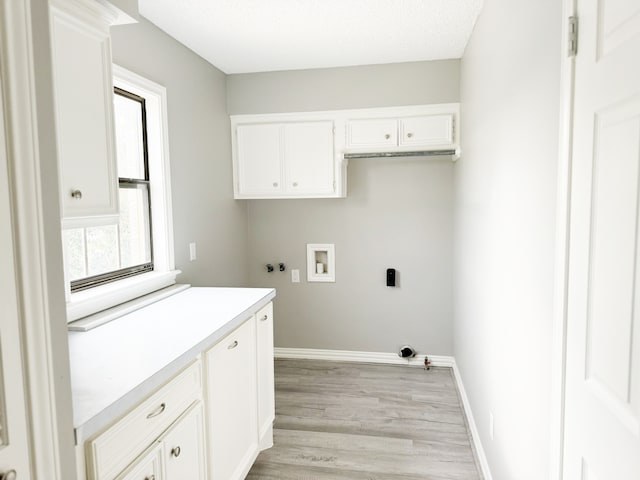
240, 36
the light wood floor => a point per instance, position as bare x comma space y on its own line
337, 421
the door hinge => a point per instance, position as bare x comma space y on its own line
572, 41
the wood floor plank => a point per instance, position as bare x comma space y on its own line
339, 421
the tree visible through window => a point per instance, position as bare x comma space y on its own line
101, 254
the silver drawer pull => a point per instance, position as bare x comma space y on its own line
157, 411
264, 318
175, 451
387, 136
150, 477
233, 345
77, 194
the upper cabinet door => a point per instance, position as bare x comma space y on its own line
258, 166
83, 89
377, 132
426, 130
308, 158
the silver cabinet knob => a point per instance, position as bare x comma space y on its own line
264, 318
387, 136
10, 475
175, 451
233, 345
295, 184
275, 184
77, 194
409, 135
150, 477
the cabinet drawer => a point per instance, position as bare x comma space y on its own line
379, 132
117, 447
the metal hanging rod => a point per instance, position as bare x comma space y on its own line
420, 153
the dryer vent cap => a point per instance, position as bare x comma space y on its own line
406, 351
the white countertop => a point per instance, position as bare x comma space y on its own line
116, 365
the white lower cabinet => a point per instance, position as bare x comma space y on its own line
147, 467
231, 397
177, 455
183, 447
266, 388
207, 423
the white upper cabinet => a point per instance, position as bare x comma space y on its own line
308, 158
293, 159
405, 128
258, 167
427, 130
81, 54
374, 132
302, 155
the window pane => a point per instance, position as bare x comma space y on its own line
135, 235
102, 249
74, 253
129, 140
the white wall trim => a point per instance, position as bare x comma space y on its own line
45, 364
363, 357
473, 429
394, 359
563, 206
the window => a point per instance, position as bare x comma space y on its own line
110, 264
102, 254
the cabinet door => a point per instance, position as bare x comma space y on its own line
266, 388
258, 162
376, 132
426, 130
232, 404
183, 447
308, 158
147, 467
84, 114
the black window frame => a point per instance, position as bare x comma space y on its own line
123, 182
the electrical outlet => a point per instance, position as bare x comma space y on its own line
295, 276
491, 425
192, 251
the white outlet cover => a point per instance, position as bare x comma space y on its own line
295, 276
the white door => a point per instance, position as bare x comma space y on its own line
14, 445
602, 410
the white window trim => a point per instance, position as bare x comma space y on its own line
86, 302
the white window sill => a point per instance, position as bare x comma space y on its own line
88, 302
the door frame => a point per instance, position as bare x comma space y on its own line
561, 273
25, 66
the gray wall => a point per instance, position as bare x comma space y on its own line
398, 214
412, 83
199, 138
505, 192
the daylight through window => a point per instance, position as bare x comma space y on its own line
101, 254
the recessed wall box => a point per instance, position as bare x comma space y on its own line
321, 262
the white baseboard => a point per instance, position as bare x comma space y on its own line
364, 357
475, 435
392, 358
